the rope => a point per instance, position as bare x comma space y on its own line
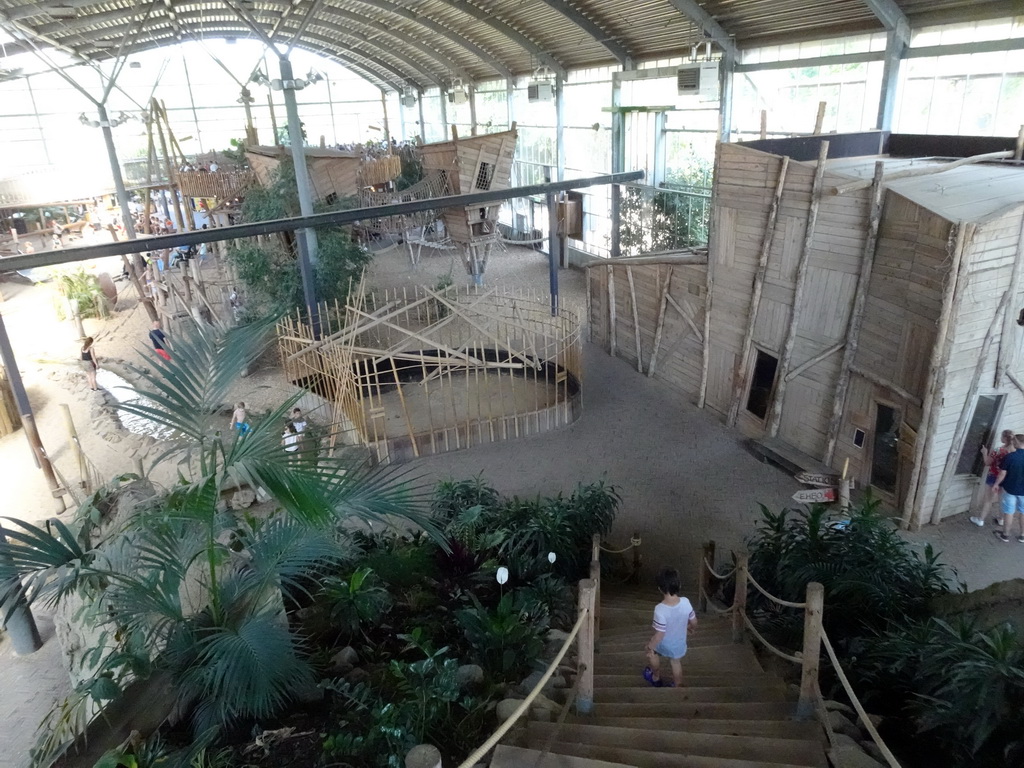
868, 725
633, 542
772, 597
819, 705
484, 748
535, 241
769, 646
715, 608
716, 574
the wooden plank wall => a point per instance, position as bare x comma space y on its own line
898, 335
992, 253
678, 362
744, 186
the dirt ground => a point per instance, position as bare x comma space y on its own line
683, 476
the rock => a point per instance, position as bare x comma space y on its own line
838, 706
558, 682
243, 499
541, 714
543, 702
346, 657
842, 724
873, 750
557, 636
853, 757
876, 720
423, 756
469, 675
842, 740
309, 694
531, 681
357, 676
506, 707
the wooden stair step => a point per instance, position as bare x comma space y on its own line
723, 656
506, 756
642, 759
721, 694
746, 710
780, 729
703, 680
680, 741
639, 639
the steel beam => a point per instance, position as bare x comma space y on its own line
441, 31
333, 218
897, 41
707, 25
509, 32
890, 14
592, 28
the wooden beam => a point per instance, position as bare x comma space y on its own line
661, 323
764, 125
856, 320
877, 380
709, 284
952, 299
612, 319
673, 259
636, 320
819, 120
739, 370
689, 321
825, 353
921, 170
966, 412
786, 357
1007, 339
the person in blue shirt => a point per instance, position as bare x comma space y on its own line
1011, 481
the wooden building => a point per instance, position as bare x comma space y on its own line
473, 164
864, 311
333, 173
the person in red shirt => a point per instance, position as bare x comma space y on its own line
993, 461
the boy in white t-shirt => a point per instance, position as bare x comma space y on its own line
673, 617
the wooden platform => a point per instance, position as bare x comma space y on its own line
785, 456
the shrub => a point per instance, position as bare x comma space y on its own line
356, 602
509, 638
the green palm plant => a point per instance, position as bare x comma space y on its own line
195, 585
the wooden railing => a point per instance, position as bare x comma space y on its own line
223, 185
582, 692
810, 700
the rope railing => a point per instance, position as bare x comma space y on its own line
635, 541
716, 574
811, 700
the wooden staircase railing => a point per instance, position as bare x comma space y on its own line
810, 700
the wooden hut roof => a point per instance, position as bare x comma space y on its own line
968, 193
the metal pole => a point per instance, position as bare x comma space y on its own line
553, 243
122, 201
444, 114
27, 420
423, 122
618, 163
384, 106
560, 126
192, 101
21, 626
305, 239
472, 110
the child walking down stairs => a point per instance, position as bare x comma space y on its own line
727, 713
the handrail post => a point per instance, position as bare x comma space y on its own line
739, 601
595, 575
585, 648
637, 559
812, 649
707, 556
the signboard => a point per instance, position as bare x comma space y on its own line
816, 478
815, 496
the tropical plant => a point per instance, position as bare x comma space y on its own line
507, 639
79, 286
454, 496
195, 586
357, 601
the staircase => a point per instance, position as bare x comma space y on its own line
729, 713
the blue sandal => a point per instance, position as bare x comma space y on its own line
649, 677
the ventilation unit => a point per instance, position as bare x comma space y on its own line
408, 97
540, 91
698, 79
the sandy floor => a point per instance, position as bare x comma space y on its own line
683, 476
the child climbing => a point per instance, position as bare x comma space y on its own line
673, 618
240, 420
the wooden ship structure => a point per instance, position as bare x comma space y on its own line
859, 306
334, 174
473, 164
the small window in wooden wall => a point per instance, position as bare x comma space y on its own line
484, 175
762, 382
979, 434
858, 438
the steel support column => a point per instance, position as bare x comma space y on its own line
560, 126
727, 73
305, 239
618, 163
895, 50
472, 110
443, 96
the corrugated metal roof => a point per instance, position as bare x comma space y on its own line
424, 42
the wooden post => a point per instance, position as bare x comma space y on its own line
661, 323
585, 648
856, 320
636, 320
1007, 339
740, 369
595, 576
844, 487
812, 650
739, 600
968, 408
775, 416
612, 346
820, 119
764, 124
79, 455
953, 296
707, 555
1018, 151
709, 285
638, 559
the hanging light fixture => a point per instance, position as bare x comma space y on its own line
408, 97
458, 94
542, 87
